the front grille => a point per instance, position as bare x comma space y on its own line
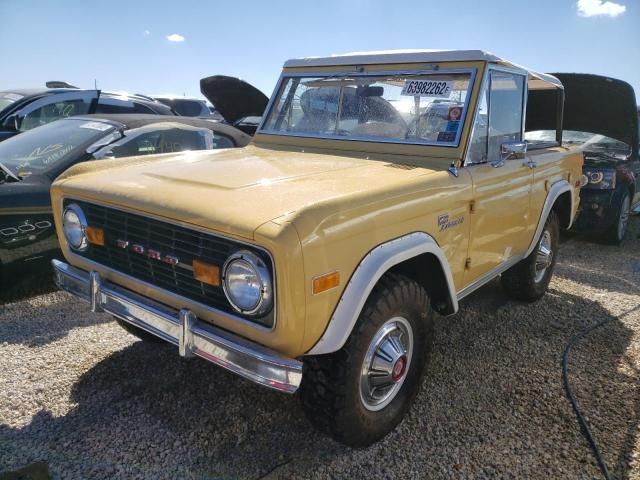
169, 239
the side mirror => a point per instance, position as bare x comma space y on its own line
12, 123
513, 150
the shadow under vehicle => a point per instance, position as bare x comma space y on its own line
31, 161
28, 108
601, 118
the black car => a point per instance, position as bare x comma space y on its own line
31, 161
189, 107
601, 117
240, 103
25, 109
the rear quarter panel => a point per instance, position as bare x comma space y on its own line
553, 165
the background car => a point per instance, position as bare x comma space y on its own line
240, 103
25, 109
601, 116
31, 161
189, 106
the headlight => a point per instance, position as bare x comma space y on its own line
600, 179
247, 283
74, 225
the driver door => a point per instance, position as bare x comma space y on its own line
501, 183
54, 107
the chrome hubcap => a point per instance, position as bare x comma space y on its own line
624, 217
544, 256
386, 363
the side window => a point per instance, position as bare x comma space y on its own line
111, 105
165, 141
108, 105
140, 108
53, 111
499, 118
222, 141
505, 111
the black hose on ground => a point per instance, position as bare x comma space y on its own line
584, 427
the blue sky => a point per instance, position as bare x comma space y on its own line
125, 44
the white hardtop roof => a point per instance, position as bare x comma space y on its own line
419, 56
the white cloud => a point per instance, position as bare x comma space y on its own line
174, 37
594, 8
146, 33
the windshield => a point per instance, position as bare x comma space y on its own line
41, 149
399, 107
8, 98
586, 140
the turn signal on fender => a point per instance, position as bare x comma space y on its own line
326, 282
206, 273
95, 235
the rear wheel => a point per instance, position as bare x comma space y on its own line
529, 279
361, 392
616, 233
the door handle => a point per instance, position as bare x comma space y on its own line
497, 163
530, 164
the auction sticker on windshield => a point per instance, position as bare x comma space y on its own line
427, 88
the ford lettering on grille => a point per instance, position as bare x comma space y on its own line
151, 253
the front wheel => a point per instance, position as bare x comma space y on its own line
529, 279
616, 233
361, 392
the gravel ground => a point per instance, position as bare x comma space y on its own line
83, 395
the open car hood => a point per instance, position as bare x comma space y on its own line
601, 105
233, 98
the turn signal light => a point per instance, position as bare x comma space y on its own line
206, 273
95, 235
326, 282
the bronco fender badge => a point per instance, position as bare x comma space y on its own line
445, 224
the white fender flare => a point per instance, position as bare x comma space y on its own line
555, 191
375, 264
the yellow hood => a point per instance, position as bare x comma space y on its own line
231, 191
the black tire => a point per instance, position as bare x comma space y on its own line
138, 332
523, 281
331, 391
617, 231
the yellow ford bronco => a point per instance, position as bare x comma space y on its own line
380, 187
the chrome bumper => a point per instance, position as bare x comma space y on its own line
192, 336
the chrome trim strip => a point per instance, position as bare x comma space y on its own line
455, 144
193, 337
167, 292
488, 276
375, 264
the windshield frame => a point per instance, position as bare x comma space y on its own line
472, 71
